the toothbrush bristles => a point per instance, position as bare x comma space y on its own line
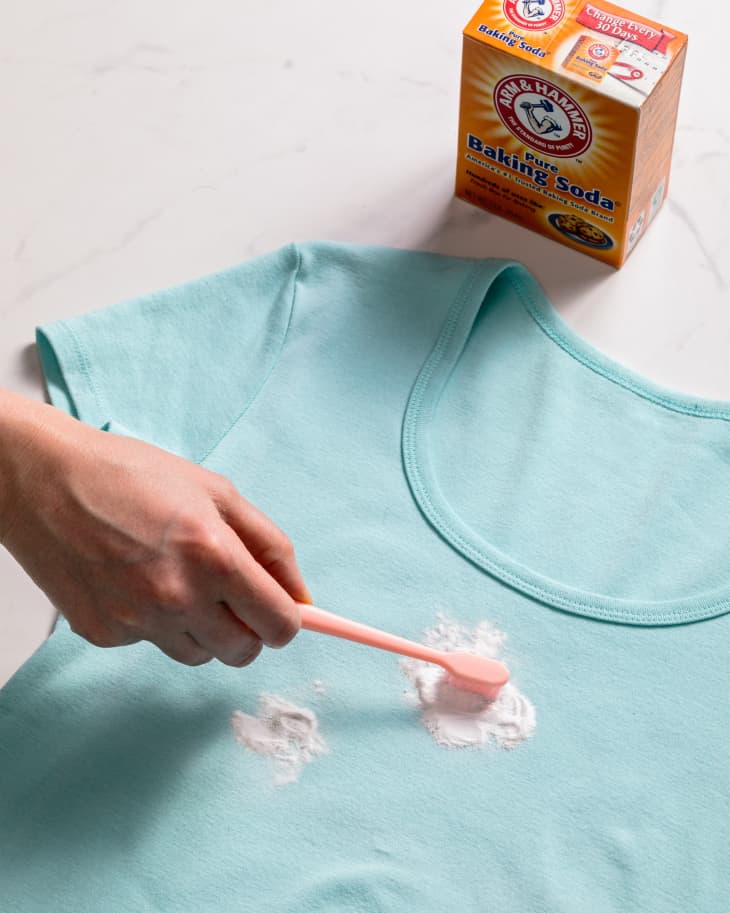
490, 692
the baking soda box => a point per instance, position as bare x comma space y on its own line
567, 119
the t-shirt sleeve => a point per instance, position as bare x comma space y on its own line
178, 367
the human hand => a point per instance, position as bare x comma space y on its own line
132, 543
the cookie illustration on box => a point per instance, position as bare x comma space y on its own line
579, 229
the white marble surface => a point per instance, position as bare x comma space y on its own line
146, 143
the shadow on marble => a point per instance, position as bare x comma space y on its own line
463, 230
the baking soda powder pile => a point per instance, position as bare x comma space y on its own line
457, 718
287, 734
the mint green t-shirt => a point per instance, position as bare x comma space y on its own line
433, 439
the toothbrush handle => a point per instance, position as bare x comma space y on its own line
314, 619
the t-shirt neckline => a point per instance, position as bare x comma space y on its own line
423, 401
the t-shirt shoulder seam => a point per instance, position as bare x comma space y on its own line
293, 277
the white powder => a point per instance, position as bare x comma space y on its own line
287, 734
457, 718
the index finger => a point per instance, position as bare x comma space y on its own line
257, 599
266, 543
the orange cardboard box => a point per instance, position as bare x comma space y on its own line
567, 119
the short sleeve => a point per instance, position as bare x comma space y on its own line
178, 367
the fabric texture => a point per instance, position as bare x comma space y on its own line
434, 439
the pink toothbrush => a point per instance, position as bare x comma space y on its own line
472, 673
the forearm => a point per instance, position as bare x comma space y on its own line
26, 427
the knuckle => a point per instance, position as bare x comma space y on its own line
131, 622
188, 654
285, 546
221, 561
224, 487
280, 548
205, 545
284, 630
192, 535
196, 659
169, 592
99, 635
247, 656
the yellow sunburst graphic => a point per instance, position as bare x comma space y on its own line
603, 164
492, 11
497, 14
